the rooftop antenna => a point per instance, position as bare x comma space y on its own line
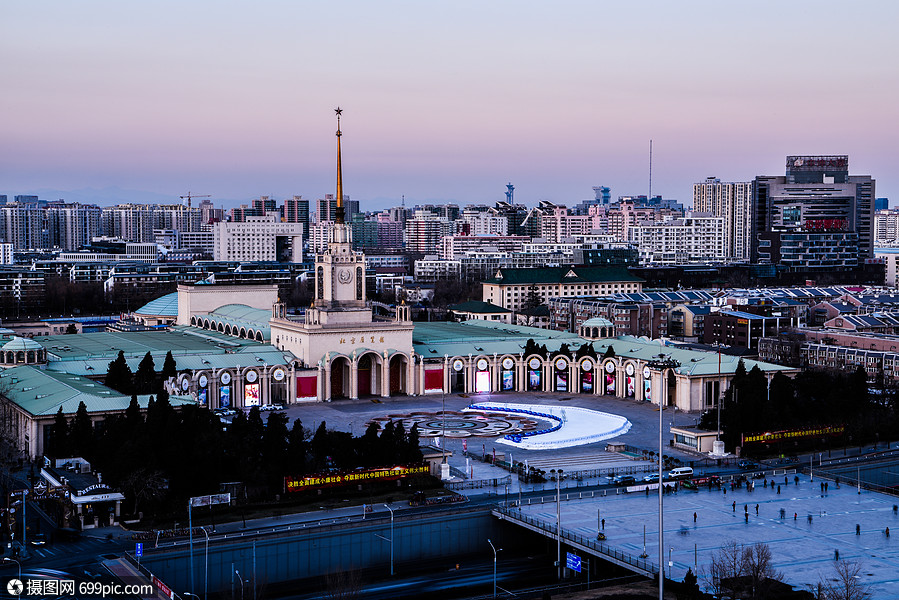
403, 201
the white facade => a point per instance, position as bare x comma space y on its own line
454, 247
485, 223
890, 258
432, 269
697, 238
256, 239
5, 253
732, 202
886, 228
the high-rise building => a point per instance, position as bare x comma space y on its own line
23, 225
881, 203
731, 201
817, 216
696, 238
296, 210
262, 238
71, 226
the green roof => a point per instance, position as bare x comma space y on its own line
20, 344
42, 393
89, 354
165, 306
575, 274
484, 338
477, 306
241, 316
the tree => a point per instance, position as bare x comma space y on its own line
58, 445
145, 377
846, 583
757, 562
72, 328
118, 375
533, 299
691, 585
82, 433
725, 569
169, 368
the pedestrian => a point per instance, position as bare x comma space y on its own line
836, 555
858, 529
756, 510
766, 483
603, 524
778, 488
746, 508
746, 517
822, 487
734, 506
694, 517
887, 532
809, 518
825, 487
795, 515
725, 490
796, 479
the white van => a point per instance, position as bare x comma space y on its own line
681, 473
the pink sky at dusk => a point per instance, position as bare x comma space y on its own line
443, 101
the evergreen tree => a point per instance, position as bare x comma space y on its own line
118, 375
133, 417
72, 328
145, 377
169, 368
296, 450
533, 299
59, 446
413, 448
82, 433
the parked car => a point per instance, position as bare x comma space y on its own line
623, 480
651, 478
746, 465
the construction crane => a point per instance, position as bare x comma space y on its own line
189, 196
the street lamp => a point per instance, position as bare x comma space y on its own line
8, 559
494, 565
206, 560
391, 538
662, 363
559, 523
236, 572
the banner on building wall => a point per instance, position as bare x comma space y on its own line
587, 383
534, 380
561, 381
225, 397
610, 385
434, 379
647, 390
251, 394
508, 381
793, 434
312, 482
631, 386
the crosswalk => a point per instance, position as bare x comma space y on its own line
85, 545
579, 462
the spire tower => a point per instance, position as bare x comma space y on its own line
339, 218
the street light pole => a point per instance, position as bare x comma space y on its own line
236, 572
206, 574
7, 558
559, 522
391, 538
663, 363
494, 566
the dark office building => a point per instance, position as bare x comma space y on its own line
817, 216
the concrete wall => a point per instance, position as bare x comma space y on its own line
315, 552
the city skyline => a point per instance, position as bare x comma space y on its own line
443, 104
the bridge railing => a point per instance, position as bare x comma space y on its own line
595, 545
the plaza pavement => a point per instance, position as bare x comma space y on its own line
803, 547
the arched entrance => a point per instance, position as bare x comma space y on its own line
368, 378
398, 375
340, 377
671, 400
457, 376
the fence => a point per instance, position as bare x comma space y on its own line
598, 547
478, 483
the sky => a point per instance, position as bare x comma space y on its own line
443, 101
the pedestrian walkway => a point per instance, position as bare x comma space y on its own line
803, 525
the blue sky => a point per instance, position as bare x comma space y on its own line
443, 101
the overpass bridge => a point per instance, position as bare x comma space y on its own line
576, 541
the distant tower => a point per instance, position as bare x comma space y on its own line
339, 218
510, 189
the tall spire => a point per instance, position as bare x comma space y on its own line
339, 211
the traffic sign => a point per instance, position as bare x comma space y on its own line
139, 549
573, 562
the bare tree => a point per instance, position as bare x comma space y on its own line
846, 583
726, 569
759, 569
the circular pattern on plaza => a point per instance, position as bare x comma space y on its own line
460, 425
